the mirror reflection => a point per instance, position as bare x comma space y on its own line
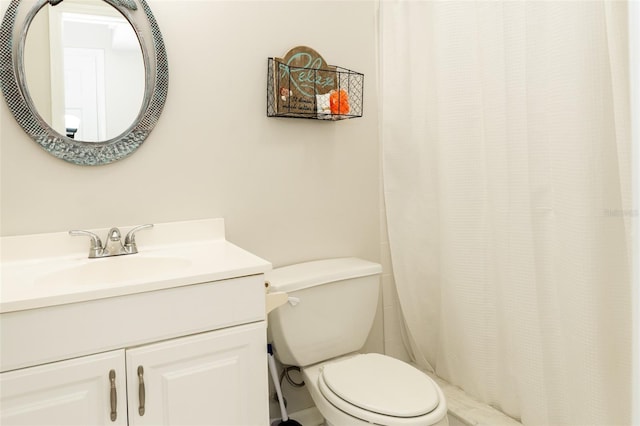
94, 88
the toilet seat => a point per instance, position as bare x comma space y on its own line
379, 389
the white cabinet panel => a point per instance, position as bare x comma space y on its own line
125, 321
66, 393
215, 378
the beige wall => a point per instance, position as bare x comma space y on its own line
290, 190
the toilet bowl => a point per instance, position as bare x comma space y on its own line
365, 389
333, 304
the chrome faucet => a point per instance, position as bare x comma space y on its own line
114, 245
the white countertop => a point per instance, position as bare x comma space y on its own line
53, 269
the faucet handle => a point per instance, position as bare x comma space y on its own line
130, 239
95, 250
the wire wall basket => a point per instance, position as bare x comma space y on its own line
330, 93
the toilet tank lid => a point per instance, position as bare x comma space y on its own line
310, 274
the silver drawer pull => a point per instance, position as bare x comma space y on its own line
114, 395
141, 395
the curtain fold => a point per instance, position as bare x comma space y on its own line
506, 161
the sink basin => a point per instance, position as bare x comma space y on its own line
116, 269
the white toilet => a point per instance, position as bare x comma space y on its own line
332, 305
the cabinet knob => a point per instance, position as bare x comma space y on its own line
141, 395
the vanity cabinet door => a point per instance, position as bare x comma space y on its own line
213, 378
73, 392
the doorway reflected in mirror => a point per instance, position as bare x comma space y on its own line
97, 73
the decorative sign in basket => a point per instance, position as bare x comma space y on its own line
302, 85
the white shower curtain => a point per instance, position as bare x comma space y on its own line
506, 158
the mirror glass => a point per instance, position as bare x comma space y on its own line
96, 81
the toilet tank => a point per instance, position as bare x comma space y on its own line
334, 305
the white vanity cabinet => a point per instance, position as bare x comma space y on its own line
200, 351
187, 311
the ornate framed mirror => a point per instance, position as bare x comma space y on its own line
54, 109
